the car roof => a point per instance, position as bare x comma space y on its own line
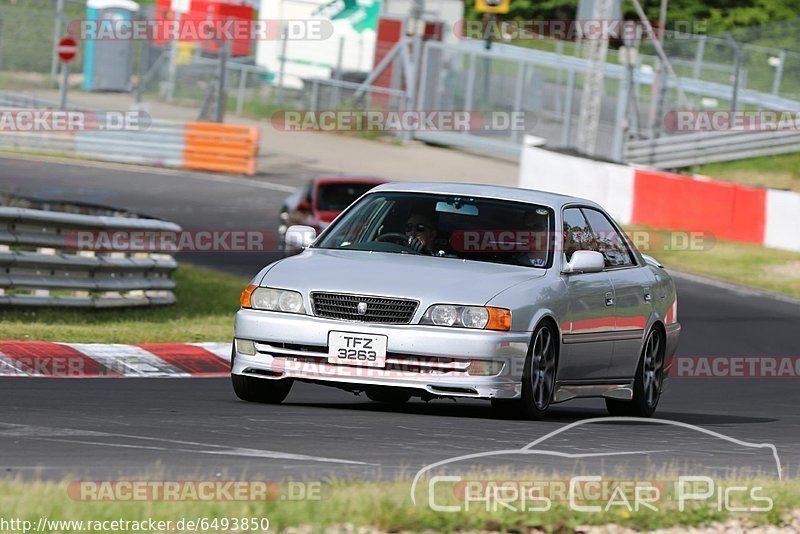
329, 179
533, 196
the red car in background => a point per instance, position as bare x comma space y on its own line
320, 201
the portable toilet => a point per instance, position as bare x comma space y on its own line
108, 63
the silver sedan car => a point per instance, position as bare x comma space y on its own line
434, 290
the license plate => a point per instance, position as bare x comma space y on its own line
349, 348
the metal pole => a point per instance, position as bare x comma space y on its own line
284, 38
380, 67
314, 94
593, 83
659, 74
776, 81
566, 128
487, 60
737, 69
62, 93
144, 59
698, 57
173, 63
470, 90
518, 90
222, 76
242, 88
619, 117
659, 50
56, 38
339, 60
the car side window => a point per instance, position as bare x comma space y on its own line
607, 240
577, 232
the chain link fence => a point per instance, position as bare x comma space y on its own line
542, 79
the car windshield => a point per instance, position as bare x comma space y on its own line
337, 196
447, 226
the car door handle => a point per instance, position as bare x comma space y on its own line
647, 296
609, 299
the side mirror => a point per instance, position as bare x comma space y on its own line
585, 261
299, 236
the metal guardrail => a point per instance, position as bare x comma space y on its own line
41, 266
683, 150
189, 145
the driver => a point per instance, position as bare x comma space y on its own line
421, 233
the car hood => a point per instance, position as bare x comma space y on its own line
427, 279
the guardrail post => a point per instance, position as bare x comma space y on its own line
314, 94
776, 81
470, 90
284, 39
566, 127
698, 57
518, 91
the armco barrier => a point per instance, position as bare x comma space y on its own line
220, 147
39, 265
192, 145
666, 200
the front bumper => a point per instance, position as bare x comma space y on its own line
430, 360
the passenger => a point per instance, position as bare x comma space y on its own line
539, 240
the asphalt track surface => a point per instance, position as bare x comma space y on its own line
196, 427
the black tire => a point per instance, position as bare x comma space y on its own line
262, 390
388, 395
648, 383
538, 378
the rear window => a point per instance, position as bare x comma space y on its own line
337, 196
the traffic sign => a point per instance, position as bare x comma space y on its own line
181, 6
67, 49
492, 6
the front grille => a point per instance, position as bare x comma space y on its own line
379, 309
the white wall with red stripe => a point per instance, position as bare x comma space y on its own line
664, 200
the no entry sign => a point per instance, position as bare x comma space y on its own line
67, 49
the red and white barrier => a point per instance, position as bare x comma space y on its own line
666, 200
94, 360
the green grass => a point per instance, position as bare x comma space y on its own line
777, 172
742, 263
207, 302
386, 506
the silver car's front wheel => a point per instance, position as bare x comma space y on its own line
543, 368
538, 377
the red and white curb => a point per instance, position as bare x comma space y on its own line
89, 360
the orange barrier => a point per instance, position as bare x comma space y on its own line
677, 202
210, 146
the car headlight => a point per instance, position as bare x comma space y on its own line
267, 298
478, 317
